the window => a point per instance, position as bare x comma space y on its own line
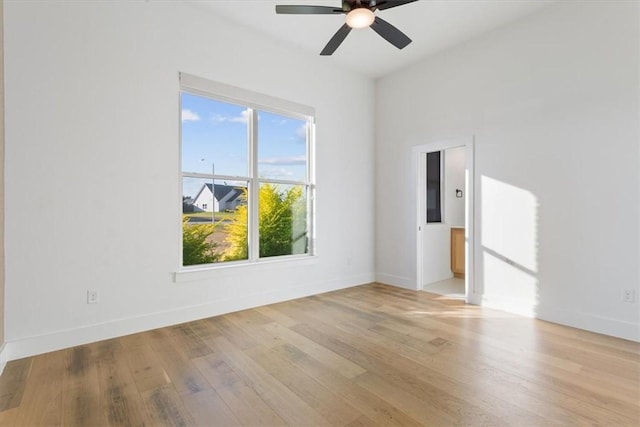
434, 193
247, 188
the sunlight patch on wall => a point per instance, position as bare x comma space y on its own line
509, 222
508, 280
509, 240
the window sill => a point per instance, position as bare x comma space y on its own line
190, 274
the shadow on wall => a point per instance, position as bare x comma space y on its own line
508, 256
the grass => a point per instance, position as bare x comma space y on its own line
220, 216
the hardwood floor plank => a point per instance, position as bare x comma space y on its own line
12, 383
374, 407
244, 402
248, 318
324, 401
363, 421
184, 377
481, 379
289, 406
434, 387
81, 403
331, 359
627, 411
256, 332
188, 341
342, 309
42, 399
146, 367
271, 311
233, 333
485, 387
119, 396
165, 408
208, 409
417, 408
538, 367
8, 417
565, 363
133, 340
204, 329
538, 370
319, 308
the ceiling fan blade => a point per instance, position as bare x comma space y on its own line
390, 33
336, 40
307, 10
388, 4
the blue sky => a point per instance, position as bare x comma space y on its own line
215, 132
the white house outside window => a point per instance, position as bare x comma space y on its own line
247, 175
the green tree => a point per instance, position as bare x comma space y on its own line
282, 224
237, 233
196, 248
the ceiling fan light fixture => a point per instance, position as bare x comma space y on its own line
360, 18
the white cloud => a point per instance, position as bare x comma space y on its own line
276, 173
301, 132
190, 116
285, 161
242, 118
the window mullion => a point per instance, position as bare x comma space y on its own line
311, 190
254, 187
216, 176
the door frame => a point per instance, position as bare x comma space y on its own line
418, 153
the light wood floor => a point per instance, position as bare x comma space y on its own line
364, 356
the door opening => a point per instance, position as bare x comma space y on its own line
444, 212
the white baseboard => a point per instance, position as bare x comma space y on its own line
590, 322
393, 280
586, 321
3, 358
30, 346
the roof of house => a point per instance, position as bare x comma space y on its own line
221, 191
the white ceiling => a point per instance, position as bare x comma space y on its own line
433, 25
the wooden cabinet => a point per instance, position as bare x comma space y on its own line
457, 252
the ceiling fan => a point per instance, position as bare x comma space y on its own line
360, 14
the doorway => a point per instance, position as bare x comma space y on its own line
444, 174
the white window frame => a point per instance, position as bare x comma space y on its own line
254, 102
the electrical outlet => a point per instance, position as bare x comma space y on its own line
629, 295
92, 297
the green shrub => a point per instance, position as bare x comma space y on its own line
282, 224
195, 247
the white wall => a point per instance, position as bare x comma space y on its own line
436, 253
92, 123
552, 101
454, 165
2, 361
